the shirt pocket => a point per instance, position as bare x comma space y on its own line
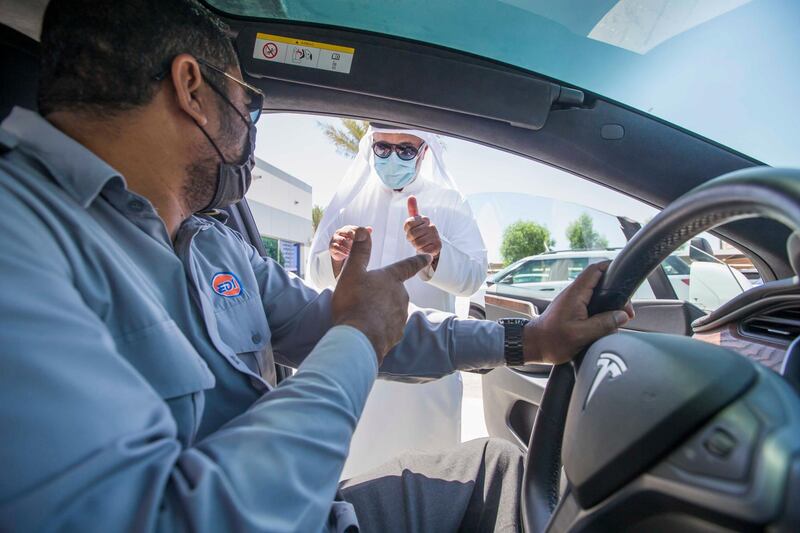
166, 359
243, 326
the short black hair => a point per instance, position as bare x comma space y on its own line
102, 55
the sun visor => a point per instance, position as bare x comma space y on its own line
636, 396
398, 70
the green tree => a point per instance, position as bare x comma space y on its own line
272, 248
582, 235
316, 217
524, 238
347, 136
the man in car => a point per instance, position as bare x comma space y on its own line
397, 178
139, 338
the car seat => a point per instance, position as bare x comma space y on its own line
19, 57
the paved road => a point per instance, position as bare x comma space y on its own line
472, 423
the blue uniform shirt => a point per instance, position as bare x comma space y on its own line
137, 374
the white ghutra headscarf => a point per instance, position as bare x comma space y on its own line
361, 178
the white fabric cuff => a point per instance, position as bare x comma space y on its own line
446, 275
323, 276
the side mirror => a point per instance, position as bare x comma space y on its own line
700, 250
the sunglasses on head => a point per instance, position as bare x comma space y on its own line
256, 95
404, 151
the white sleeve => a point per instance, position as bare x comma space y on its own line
321, 272
320, 268
462, 264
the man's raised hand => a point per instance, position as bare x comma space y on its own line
339, 246
422, 235
374, 302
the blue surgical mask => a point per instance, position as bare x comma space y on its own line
395, 172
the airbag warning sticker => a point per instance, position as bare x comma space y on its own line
303, 53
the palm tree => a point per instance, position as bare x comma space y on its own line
346, 137
316, 217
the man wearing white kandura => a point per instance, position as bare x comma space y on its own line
399, 186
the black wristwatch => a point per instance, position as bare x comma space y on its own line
512, 345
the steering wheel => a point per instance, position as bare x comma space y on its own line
665, 432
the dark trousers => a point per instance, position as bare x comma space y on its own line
473, 487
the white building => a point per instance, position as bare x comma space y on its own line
281, 206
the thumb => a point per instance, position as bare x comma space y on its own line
413, 210
602, 324
359, 252
408, 267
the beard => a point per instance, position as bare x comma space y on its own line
201, 179
202, 174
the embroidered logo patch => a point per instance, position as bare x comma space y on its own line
226, 284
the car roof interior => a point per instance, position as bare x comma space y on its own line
466, 97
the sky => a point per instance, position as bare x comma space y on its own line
500, 187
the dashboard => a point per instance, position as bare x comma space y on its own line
761, 324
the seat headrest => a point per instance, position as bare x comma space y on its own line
19, 57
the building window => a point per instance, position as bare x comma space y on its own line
286, 253
273, 250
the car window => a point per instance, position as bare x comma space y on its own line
575, 266
534, 271
541, 226
675, 266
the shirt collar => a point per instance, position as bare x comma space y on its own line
76, 168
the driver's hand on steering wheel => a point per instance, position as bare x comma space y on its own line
565, 327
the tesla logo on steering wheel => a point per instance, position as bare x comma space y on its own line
608, 365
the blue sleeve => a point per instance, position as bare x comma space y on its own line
434, 343
88, 445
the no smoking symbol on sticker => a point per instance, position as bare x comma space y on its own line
270, 50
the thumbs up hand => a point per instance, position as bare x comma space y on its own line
375, 302
422, 235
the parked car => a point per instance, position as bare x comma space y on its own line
706, 283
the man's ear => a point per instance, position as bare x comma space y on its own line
186, 80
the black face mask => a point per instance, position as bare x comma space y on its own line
233, 179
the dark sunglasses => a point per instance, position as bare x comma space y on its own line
256, 95
404, 151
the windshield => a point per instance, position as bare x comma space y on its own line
726, 69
